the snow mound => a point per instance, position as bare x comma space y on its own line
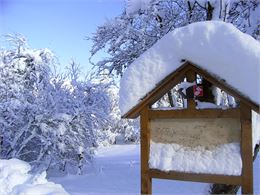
224, 159
15, 180
218, 47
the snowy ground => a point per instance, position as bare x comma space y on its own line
117, 171
15, 179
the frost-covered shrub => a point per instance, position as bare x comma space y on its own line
54, 121
120, 130
24, 79
41, 120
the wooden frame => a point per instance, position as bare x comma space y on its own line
245, 179
243, 114
146, 180
246, 149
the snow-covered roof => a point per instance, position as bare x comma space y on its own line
217, 47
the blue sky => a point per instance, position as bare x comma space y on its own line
60, 25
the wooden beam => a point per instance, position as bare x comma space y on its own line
191, 76
205, 178
189, 113
146, 181
246, 149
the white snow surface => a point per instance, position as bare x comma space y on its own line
255, 128
117, 172
205, 105
15, 180
224, 159
218, 47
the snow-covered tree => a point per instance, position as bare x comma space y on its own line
125, 130
115, 130
24, 77
53, 121
143, 22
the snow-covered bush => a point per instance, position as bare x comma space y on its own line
113, 130
39, 120
53, 121
24, 81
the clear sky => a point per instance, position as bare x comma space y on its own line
60, 25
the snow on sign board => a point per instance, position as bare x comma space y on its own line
223, 159
215, 46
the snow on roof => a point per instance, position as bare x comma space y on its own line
215, 46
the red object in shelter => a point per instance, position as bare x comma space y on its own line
198, 90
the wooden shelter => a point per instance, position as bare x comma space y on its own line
241, 114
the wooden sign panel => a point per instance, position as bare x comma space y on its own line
196, 132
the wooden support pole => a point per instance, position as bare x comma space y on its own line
246, 149
146, 180
191, 76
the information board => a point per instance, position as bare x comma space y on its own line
196, 132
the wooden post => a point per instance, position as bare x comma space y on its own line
246, 150
146, 181
191, 76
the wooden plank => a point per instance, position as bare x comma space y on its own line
146, 181
246, 149
224, 86
185, 113
191, 76
205, 178
161, 89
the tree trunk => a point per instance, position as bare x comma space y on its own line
209, 12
